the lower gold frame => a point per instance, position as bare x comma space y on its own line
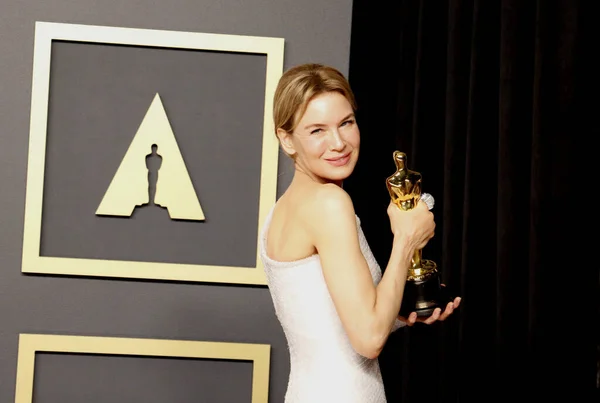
30, 344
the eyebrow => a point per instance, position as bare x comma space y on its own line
350, 115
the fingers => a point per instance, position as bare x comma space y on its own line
437, 314
411, 320
457, 302
448, 311
450, 308
422, 205
434, 316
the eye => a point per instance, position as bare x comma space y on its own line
348, 122
315, 131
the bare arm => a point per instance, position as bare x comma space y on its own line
367, 312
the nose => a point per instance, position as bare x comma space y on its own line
336, 142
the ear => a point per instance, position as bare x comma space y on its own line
286, 141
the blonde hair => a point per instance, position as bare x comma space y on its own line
299, 85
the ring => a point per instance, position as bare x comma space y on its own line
428, 199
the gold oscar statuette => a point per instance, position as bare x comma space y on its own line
423, 290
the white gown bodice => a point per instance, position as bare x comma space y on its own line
324, 367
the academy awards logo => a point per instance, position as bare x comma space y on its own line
152, 173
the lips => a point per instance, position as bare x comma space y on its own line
339, 161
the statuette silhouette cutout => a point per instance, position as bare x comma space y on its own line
137, 182
153, 163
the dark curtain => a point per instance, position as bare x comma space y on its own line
488, 99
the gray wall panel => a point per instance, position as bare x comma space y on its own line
313, 30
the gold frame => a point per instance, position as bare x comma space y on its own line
45, 33
30, 344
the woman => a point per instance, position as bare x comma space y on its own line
335, 307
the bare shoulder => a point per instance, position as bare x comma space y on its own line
329, 207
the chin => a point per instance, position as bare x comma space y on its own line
338, 174
337, 178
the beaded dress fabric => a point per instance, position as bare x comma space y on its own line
324, 367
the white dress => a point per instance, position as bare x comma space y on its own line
324, 367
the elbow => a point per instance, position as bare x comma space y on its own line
371, 354
370, 347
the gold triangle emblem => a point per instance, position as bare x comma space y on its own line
171, 185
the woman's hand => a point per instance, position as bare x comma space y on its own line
416, 226
437, 314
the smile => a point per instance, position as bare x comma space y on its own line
340, 161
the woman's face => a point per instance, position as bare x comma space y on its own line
326, 141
